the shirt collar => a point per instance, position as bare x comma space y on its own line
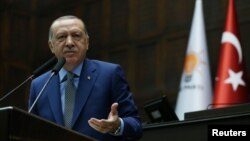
76, 71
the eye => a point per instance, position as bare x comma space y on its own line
77, 36
61, 37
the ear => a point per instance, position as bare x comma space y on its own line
51, 46
87, 43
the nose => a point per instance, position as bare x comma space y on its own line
69, 42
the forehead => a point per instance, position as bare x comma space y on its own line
67, 24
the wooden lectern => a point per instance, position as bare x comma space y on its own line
18, 125
195, 127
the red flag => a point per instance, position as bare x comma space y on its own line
231, 82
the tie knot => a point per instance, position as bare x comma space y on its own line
70, 76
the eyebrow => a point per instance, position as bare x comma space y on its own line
74, 30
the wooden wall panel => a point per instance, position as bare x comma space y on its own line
15, 52
214, 13
246, 45
120, 57
213, 50
178, 15
40, 50
15, 73
93, 22
145, 69
147, 19
147, 37
19, 48
119, 21
173, 66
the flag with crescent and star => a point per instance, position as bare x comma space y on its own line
231, 81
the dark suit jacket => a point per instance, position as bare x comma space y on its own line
100, 85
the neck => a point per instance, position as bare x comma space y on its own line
70, 67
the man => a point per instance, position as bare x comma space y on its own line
103, 107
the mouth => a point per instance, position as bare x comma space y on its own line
69, 53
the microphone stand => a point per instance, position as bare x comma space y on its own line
34, 74
44, 86
55, 70
25, 81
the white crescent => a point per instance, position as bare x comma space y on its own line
231, 38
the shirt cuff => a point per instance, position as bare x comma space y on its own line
120, 129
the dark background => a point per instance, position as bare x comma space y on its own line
147, 37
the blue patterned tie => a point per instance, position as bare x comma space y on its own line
70, 91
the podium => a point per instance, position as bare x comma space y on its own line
18, 125
196, 124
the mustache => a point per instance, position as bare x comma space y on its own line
69, 49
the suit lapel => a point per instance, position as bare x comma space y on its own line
53, 91
86, 83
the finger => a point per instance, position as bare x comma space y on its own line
114, 109
95, 121
103, 123
99, 126
93, 125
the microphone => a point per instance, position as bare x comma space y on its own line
59, 65
44, 67
54, 71
34, 74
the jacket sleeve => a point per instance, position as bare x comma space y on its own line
127, 109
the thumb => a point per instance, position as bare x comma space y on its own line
114, 109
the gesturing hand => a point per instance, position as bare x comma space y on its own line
107, 125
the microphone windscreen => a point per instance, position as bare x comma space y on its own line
59, 65
52, 61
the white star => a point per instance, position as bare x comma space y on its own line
235, 79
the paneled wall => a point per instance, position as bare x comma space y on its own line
147, 37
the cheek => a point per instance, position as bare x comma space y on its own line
83, 47
82, 51
58, 51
